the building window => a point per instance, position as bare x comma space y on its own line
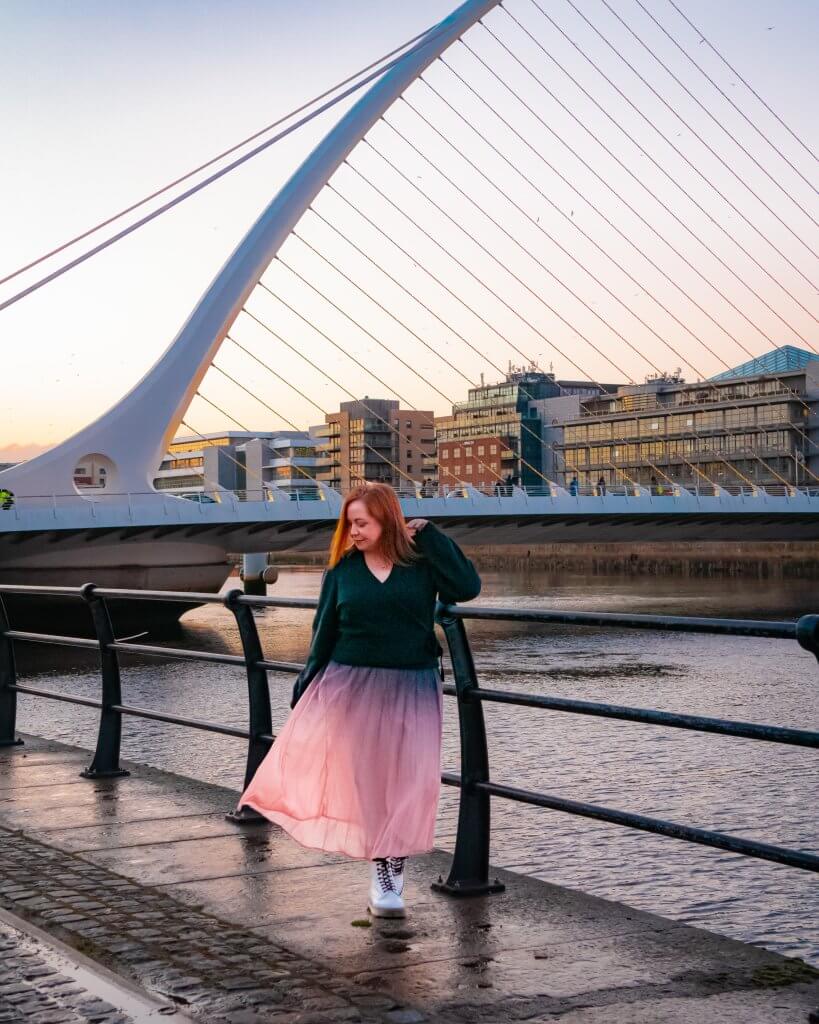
493, 449
739, 417
468, 469
772, 414
712, 420
456, 453
444, 454
481, 449
456, 470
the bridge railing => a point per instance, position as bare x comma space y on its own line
469, 874
94, 502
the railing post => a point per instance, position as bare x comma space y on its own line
807, 633
105, 764
469, 874
8, 679
260, 723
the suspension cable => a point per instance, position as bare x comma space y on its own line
409, 330
216, 485
520, 245
420, 302
537, 225
648, 121
719, 124
631, 208
247, 429
603, 216
347, 466
386, 349
324, 373
457, 333
733, 70
491, 255
384, 309
515, 312
215, 176
209, 163
642, 149
728, 99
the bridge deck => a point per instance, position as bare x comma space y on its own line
145, 875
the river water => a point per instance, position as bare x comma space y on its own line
754, 789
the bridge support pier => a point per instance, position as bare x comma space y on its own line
256, 574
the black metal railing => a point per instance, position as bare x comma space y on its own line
469, 874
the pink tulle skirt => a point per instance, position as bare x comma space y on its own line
356, 768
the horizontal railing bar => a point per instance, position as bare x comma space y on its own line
180, 654
177, 653
277, 602
21, 588
67, 698
672, 623
49, 638
689, 624
726, 727
191, 723
703, 837
172, 596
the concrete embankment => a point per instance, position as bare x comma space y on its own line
771, 560
241, 925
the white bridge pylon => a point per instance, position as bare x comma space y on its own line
132, 437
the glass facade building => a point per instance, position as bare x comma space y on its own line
733, 430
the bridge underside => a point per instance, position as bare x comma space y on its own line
188, 545
194, 557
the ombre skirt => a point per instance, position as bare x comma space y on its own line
356, 768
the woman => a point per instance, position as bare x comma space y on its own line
356, 768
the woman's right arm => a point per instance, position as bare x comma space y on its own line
325, 631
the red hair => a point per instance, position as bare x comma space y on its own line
382, 504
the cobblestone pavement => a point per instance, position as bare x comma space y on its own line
215, 971
32, 990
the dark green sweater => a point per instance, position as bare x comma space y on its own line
360, 621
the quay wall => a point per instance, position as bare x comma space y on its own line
768, 560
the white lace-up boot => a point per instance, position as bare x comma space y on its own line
384, 900
396, 865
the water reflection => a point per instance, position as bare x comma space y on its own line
749, 788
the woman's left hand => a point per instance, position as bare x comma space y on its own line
415, 526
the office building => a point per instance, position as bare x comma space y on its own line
375, 440
496, 437
754, 425
248, 462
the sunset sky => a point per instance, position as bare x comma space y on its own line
102, 101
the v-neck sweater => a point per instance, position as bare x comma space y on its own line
363, 621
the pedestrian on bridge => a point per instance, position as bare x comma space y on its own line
356, 768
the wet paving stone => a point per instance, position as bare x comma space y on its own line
33, 992
213, 970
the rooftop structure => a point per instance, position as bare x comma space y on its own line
779, 360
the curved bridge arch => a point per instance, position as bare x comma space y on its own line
134, 434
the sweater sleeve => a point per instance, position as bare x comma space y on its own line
325, 631
455, 576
